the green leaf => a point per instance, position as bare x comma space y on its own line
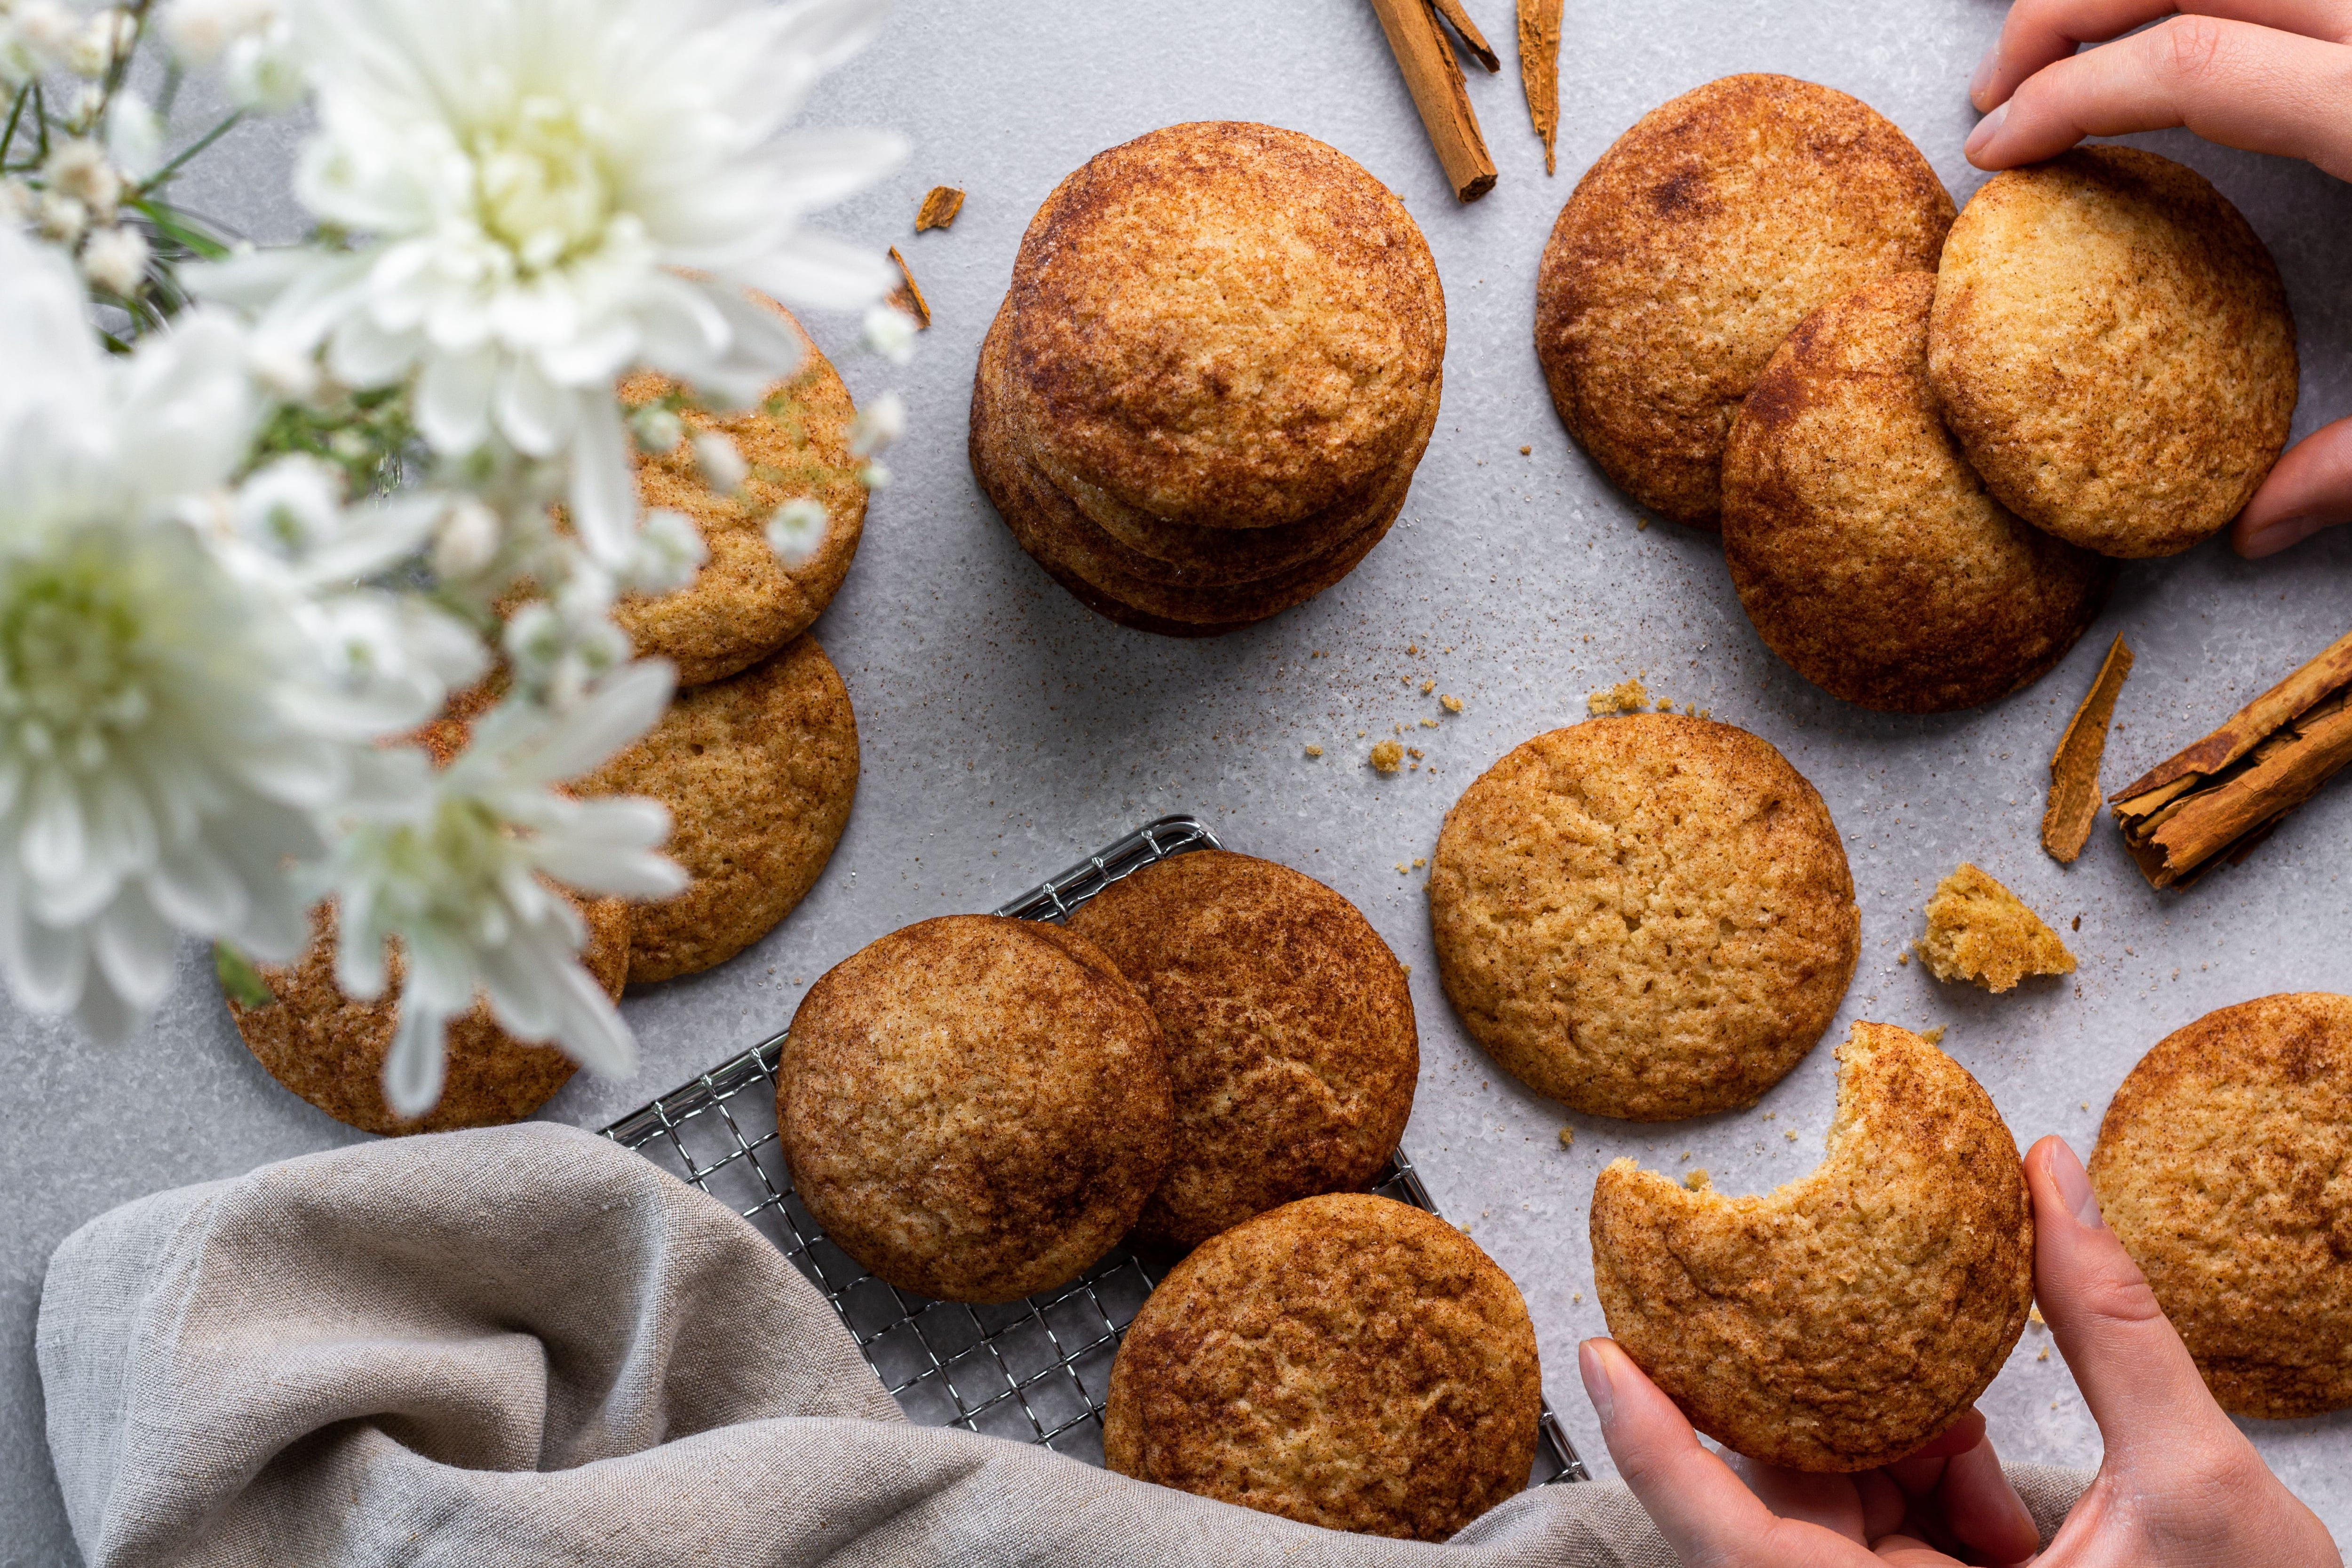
240, 982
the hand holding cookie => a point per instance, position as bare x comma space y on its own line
2262, 75
2179, 1483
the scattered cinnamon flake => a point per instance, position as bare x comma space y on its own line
940, 206
909, 295
1641, 524
1451, 703
2074, 766
1978, 929
1695, 1179
1314, 750
1539, 73
2223, 796
1568, 1137
1387, 757
1625, 697
1433, 77
1934, 1037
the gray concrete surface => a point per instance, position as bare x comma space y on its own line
1006, 730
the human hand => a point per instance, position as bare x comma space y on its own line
2180, 1485
2269, 76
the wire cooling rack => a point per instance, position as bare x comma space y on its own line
1037, 1371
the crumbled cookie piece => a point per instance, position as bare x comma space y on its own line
1568, 1137
1625, 697
1314, 750
1451, 703
1978, 929
1934, 1037
1387, 757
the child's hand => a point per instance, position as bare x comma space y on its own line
2270, 76
2179, 1484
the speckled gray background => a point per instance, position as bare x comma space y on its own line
1006, 730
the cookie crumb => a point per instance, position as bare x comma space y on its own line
1568, 1137
1934, 1037
1453, 704
1429, 723
1419, 861
1524, 451
1576, 1295
2033, 1315
1314, 750
1403, 868
1641, 524
1625, 697
1980, 930
1903, 958
1695, 1179
1790, 1136
1387, 757
1427, 687
2045, 1357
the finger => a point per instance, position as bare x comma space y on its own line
1909, 1552
2231, 82
2135, 1373
2041, 33
1958, 1439
1692, 1497
2311, 489
1829, 1501
1983, 1510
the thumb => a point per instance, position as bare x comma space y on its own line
2135, 1375
2309, 489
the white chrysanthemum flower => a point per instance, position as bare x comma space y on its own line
548, 192
457, 864
155, 764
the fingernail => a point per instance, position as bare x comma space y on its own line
1594, 1365
2075, 1188
1982, 77
1987, 129
2277, 535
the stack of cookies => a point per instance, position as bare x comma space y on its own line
1204, 398
756, 760
1923, 439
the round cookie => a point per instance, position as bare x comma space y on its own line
1344, 1361
1692, 247
330, 1049
745, 603
1225, 325
1648, 917
758, 772
2224, 1167
1865, 548
974, 1108
2112, 345
1289, 1032
1840, 1321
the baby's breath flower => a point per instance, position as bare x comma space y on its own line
115, 259
657, 430
723, 468
79, 168
797, 530
669, 551
467, 540
880, 423
890, 332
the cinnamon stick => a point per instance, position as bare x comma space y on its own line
909, 295
1539, 75
1472, 38
2074, 766
2224, 795
1435, 79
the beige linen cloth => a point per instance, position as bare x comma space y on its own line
528, 1346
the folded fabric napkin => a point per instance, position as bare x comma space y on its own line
526, 1345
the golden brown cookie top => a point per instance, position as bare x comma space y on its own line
1865, 548
1345, 1361
758, 773
1289, 1032
1839, 1323
1647, 916
1227, 324
2112, 345
974, 1108
2224, 1167
1695, 245
330, 1048
746, 603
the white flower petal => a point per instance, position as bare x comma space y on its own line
453, 400
194, 890
414, 1067
106, 1017
603, 493
532, 412
46, 966
589, 1029
362, 354
136, 950
823, 273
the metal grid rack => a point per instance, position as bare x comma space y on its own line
1037, 1371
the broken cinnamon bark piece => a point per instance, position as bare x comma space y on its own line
909, 295
939, 207
1980, 930
2225, 794
2074, 766
1539, 72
